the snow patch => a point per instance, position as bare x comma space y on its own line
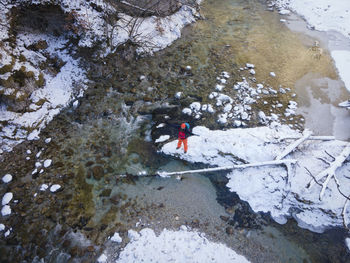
7, 178
7, 198
162, 138
193, 247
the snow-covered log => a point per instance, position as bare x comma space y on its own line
345, 221
294, 145
238, 166
330, 171
315, 138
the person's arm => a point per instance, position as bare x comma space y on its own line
188, 133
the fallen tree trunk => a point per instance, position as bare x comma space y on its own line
238, 166
330, 171
345, 222
316, 138
293, 145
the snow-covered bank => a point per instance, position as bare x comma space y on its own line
174, 246
52, 90
325, 15
276, 190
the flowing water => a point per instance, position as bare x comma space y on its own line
99, 149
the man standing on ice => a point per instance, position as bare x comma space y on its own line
184, 132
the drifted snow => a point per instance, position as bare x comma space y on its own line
175, 246
271, 189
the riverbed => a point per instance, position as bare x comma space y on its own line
105, 158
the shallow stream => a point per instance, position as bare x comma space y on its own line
100, 148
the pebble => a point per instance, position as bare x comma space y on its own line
272, 74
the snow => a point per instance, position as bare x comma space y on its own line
272, 74
342, 62
271, 189
178, 95
6, 210
347, 243
7, 198
169, 29
55, 188
162, 138
8, 232
7, 178
116, 238
44, 187
151, 34
47, 163
187, 111
326, 15
102, 258
47, 140
2, 227
175, 246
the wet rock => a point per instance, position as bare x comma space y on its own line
106, 193
115, 199
76, 252
230, 210
224, 218
229, 230
90, 248
195, 223
39, 200
97, 172
66, 244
